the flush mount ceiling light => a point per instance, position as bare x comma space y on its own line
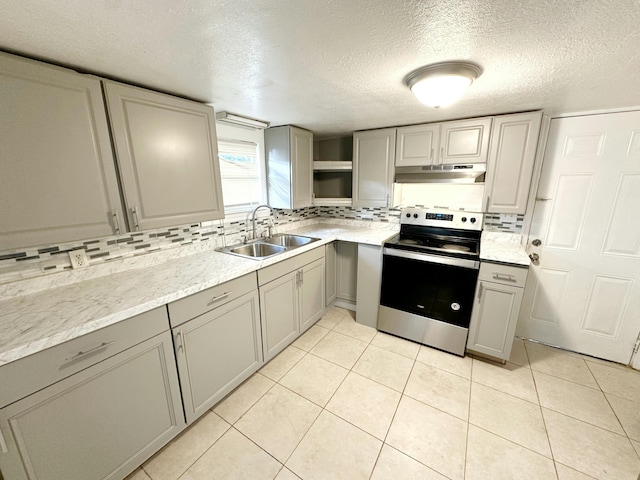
441, 84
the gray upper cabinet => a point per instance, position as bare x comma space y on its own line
514, 139
57, 175
465, 141
289, 152
373, 167
418, 145
167, 155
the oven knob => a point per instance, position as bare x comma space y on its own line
408, 215
473, 220
464, 219
455, 307
415, 215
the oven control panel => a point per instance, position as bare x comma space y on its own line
442, 218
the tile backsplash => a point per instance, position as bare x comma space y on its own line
37, 261
500, 222
376, 214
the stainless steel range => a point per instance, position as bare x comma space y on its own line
429, 276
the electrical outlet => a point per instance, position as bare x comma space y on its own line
78, 258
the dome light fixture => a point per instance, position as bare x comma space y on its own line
441, 84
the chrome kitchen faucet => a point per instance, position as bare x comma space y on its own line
253, 218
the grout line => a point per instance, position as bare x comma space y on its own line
199, 456
402, 393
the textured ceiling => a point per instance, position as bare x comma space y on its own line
334, 66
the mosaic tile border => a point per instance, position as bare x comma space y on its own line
376, 214
37, 261
499, 222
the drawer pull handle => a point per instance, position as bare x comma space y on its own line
136, 220
505, 277
81, 354
220, 297
182, 346
3, 444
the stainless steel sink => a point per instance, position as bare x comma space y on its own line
259, 249
288, 240
269, 246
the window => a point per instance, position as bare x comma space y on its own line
241, 168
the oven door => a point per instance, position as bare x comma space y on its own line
432, 286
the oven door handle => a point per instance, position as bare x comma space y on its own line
425, 257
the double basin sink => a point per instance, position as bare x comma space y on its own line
269, 246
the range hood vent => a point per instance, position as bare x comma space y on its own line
468, 173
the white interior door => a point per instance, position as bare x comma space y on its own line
585, 293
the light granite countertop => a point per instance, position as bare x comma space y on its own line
503, 247
33, 322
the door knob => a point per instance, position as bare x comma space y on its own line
535, 258
536, 243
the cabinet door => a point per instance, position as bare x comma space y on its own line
347, 262
57, 173
311, 293
494, 319
417, 145
466, 141
217, 351
279, 314
100, 423
373, 164
167, 155
302, 167
369, 280
514, 139
330, 273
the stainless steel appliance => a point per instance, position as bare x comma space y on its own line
429, 276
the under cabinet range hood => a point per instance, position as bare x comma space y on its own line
462, 173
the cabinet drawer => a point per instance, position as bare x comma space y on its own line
266, 275
505, 274
98, 424
194, 305
32, 373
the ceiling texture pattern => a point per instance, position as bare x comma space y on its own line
335, 66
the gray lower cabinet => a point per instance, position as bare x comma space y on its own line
279, 313
217, 351
330, 273
100, 423
369, 280
495, 309
346, 271
311, 289
292, 299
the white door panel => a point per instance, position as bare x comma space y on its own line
585, 293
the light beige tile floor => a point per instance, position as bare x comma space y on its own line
347, 402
